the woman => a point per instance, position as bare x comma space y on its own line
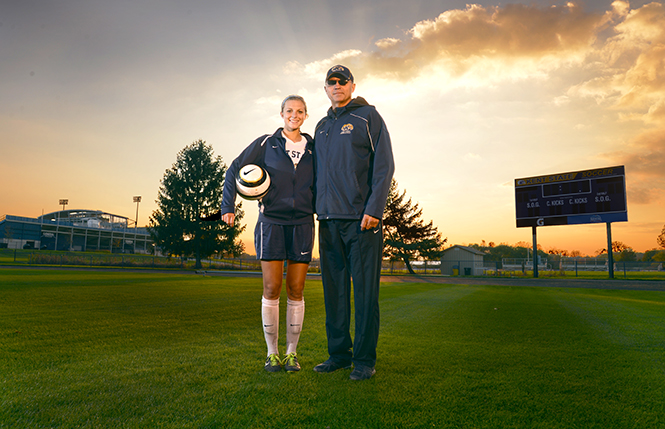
285, 228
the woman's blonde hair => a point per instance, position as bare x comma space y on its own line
294, 97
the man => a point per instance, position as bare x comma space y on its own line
354, 166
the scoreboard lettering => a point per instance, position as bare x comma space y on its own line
589, 196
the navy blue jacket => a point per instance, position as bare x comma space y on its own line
290, 198
354, 162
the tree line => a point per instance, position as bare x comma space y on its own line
187, 222
521, 250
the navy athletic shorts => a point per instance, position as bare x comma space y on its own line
279, 242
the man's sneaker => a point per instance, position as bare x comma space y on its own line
330, 366
291, 363
362, 373
273, 364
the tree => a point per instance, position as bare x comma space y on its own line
559, 255
190, 189
498, 253
626, 255
407, 236
617, 247
649, 254
559, 252
661, 238
653, 255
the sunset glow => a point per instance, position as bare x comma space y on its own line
98, 98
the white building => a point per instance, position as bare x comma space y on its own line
461, 260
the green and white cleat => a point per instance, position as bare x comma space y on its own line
273, 364
291, 363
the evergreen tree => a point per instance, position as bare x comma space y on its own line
192, 188
407, 237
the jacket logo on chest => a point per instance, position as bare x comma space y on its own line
346, 129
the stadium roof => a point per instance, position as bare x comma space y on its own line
85, 216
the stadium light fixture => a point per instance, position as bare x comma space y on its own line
137, 200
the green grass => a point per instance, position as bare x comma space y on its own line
619, 274
136, 350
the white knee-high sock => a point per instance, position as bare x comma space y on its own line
270, 316
295, 314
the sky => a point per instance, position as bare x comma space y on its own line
98, 97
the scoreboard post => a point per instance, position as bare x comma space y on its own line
579, 197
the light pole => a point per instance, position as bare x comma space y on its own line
137, 200
62, 202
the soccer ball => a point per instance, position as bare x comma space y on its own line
252, 182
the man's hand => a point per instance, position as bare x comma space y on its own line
368, 222
229, 218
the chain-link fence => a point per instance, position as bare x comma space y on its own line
553, 267
247, 263
577, 267
102, 259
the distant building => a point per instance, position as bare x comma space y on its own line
76, 230
461, 260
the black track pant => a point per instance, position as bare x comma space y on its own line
346, 252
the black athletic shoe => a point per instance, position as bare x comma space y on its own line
330, 366
362, 373
291, 363
273, 364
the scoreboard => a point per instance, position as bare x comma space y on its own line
588, 196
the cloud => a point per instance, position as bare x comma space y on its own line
630, 65
388, 43
644, 158
461, 39
656, 113
615, 57
514, 30
618, 55
472, 157
317, 69
512, 36
462, 47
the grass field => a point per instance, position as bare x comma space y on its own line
140, 350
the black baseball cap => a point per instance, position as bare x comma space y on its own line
340, 72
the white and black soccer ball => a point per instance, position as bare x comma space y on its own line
252, 182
